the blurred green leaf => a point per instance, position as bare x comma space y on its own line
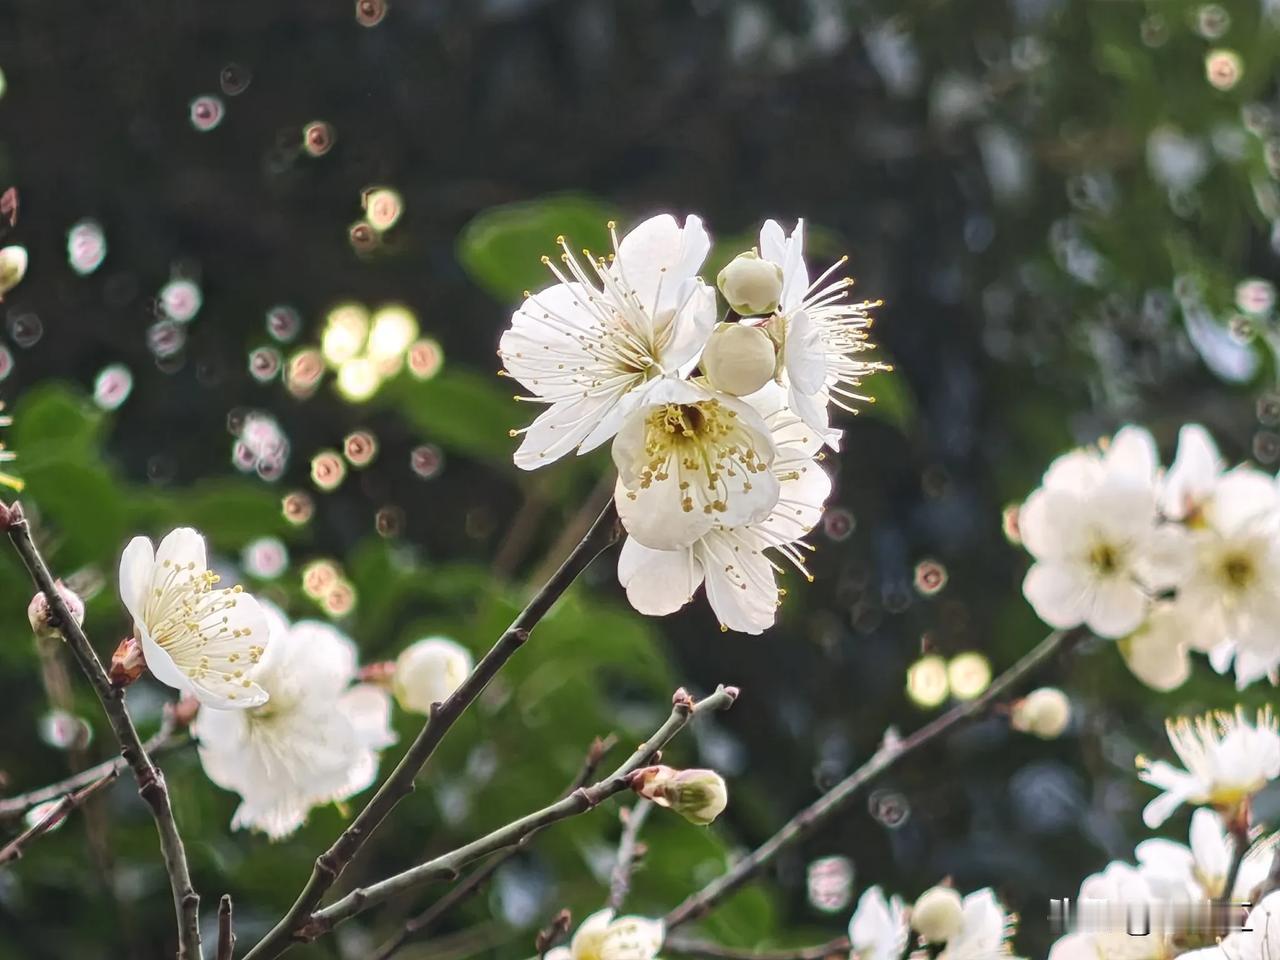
502, 248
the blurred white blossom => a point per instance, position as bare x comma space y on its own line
315, 741
602, 936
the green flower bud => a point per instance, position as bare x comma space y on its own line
938, 915
13, 267
739, 359
1043, 713
697, 795
751, 286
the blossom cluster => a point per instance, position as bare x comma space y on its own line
716, 428
1228, 760
285, 718
1165, 562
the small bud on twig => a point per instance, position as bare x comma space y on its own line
127, 663
549, 937
697, 795
44, 622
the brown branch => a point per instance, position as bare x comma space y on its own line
629, 851
808, 820
330, 864
446, 866
839, 947
151, 785
477, 878
17, 846
165, 741
226, 930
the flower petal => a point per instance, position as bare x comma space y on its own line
1060, 593
658, 582
1119, 607
136, 565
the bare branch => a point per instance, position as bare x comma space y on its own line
629, 851
581, 800
226, 930
817, 813
17, 846
839, 947
165, 741
330, 864
476, 878
151, 785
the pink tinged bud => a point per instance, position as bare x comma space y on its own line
697, 795
127, 663
44, 623
1043, 713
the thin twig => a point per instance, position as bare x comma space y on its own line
477, 878
817, 813
580, 801
702, 948
226, 929
330, 864
151, 784
629, 851
17, 846
166, 740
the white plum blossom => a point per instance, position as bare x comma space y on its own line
195, 636
1198, 872
1094, 532
985, 930
591, 346
1230, 601
820, 335
689, 459
878, 929
602, 936
1226, 760
733, 561
315, 741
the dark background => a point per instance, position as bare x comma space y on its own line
985, 165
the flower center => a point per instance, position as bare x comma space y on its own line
1104, 558
701, 443
185, 612
1238, 570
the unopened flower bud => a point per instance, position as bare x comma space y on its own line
938, 915
1043, 713
127, 663
697, 795
44, 624
751, 286
428, 672
13, 267
739, 359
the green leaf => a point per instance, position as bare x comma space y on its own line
893, 400
502, 248
463, 412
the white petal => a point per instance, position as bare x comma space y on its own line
740, 582
632, 938
658, 582
1194, 473
1166, 558
690, 328
1157, 652
549, 334
161, 664
1132, 456
1061, 594
561, 428
216, 673
801, 500
182, 547
321, 656
805, 354
1075, 946
795, 275
1211, 847
1243, 497
136, 566
1119, 607
655, 516
812, 409
1077, 471
368, 708
773, 242
658, 256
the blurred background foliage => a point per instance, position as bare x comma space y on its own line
1066, 205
